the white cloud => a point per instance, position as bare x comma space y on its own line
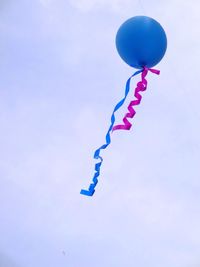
114, 5
46, 3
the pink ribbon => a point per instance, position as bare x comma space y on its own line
141, 86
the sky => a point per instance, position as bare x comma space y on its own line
60, 77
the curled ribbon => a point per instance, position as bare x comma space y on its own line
141, 86
97, 156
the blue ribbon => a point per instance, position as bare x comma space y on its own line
92, 186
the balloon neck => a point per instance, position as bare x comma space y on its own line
145, 70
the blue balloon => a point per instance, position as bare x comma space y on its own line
141, 42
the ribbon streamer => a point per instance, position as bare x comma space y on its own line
97, 156
141, 86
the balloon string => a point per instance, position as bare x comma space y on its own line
97, 156
141, 86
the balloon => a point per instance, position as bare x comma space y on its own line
141, 42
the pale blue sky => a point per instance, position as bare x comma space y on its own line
60, 77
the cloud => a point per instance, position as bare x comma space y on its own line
114, 5
47, 3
